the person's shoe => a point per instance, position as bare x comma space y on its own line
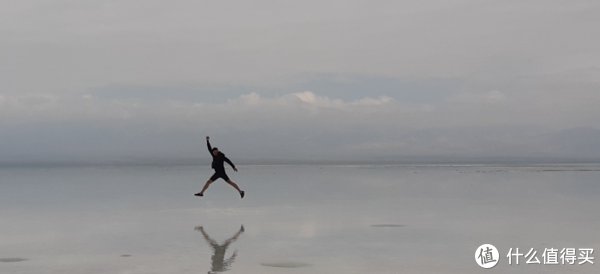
242, 194
199, 194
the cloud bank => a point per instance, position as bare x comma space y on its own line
302, 126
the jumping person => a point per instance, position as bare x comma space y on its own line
218, 165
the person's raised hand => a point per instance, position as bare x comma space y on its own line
235, 168
207, 138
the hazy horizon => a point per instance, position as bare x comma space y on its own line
398, 161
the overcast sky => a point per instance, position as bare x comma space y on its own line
298, 80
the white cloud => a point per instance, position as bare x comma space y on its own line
310, 98
297, 125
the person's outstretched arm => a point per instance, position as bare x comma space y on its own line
208, 145
230, 163
208, 239
234, 237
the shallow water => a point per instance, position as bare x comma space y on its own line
294, 219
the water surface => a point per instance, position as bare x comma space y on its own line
294, 219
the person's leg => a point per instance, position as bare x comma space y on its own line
206, 185
234, 185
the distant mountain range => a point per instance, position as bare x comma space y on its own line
436, 145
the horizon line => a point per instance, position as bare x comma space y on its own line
407, 161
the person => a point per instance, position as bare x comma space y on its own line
218, 162
219, 263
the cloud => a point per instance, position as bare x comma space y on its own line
558, 100
310, 99
297, 125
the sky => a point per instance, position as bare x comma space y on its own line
93, 81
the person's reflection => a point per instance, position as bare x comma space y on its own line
219, 263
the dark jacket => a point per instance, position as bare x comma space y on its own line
219, 160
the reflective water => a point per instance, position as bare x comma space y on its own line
294, 219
